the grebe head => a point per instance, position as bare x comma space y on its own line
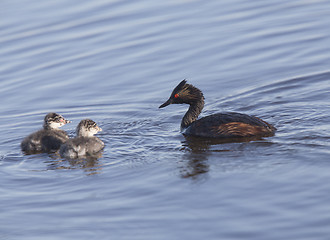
54, 121
184, 93
87, 128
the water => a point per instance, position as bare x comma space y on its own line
115, 62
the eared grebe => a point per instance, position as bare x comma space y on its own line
85, 144
49, 138
220, 125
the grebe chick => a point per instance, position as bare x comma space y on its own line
85, 144
48, 139
220, 125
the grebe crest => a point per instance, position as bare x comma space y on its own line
228, 124
185, 93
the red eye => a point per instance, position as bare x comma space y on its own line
176, 95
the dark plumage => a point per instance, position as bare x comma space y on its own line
85, 144
220, 125
49, 138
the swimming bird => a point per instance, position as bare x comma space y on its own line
220, 125
47, 139
85, 143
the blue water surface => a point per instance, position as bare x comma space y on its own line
117, 61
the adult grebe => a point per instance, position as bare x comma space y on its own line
220, 125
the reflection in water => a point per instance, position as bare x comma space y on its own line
199, 152
195, 166
196, 159
90, 164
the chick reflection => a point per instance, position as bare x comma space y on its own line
90, 164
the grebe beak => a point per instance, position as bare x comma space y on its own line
168, 102
67, 121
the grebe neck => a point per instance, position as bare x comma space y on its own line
193, 112
47, 127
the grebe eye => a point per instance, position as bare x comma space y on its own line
176, 95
